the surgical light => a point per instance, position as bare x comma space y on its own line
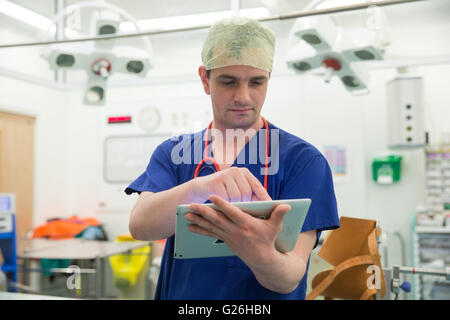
317, 42
95, 95
101, 67
107, 29
302, 66
65, 60
135, 66
351, 81
311, 39
100, 59
364, 55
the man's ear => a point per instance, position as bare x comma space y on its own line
204, 79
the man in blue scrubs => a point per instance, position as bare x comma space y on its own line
237, 61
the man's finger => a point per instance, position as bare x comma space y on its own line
198, 221
257, 187
214, 218
233, 190
255, 198
244, 186
233, 213
277, 215
197, 229
221, 191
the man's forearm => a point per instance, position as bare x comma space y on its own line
280, 272
153, 216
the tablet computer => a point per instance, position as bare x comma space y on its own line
190, 245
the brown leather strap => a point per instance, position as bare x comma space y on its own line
372, 243
373, 250
368, 293
349, 263
372, 258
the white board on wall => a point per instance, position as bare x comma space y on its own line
126, 157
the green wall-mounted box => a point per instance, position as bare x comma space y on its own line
386, 169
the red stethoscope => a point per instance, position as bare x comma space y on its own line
211, 160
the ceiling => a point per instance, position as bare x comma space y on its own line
141, 9
432, 12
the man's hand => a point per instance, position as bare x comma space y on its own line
253, 240
232, 184
250, 238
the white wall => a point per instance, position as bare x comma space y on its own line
48, 106
50, 160
70, 134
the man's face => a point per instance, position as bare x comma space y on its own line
237, 94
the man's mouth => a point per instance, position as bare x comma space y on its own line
241, 109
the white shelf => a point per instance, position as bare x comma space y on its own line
432, 229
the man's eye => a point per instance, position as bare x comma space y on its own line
256, 83
229, 83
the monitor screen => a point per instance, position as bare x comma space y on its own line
5, 203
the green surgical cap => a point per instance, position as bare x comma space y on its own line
239, 41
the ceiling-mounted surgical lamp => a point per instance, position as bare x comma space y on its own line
94, 95
317, 42
101, 59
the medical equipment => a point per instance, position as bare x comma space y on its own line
430, 248
323, 44
438, 177
207, 159
320, 45
192, 245
8, 237
100, 59
396, 284
405, 112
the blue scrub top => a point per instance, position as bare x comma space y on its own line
303, 172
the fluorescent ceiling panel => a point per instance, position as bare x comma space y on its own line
24, 15
169, 23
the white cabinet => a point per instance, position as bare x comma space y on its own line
431, 249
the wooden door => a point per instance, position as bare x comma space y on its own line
16, 167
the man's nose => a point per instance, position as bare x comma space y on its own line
242, 95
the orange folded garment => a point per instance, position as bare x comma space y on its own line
64, 228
